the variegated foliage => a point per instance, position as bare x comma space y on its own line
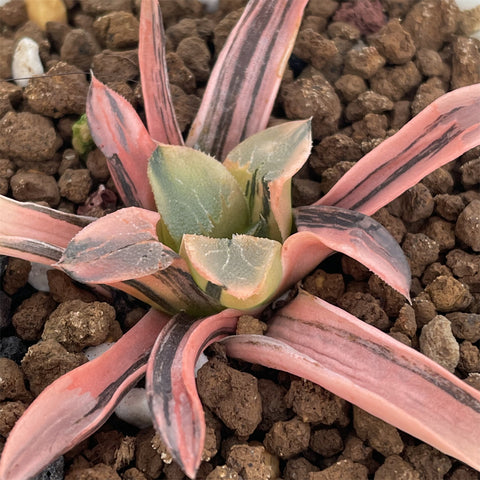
210, 235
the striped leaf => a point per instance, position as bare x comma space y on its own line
161, 119
122, 250
359, 237
36, 233
118, 246
78, 403
171, 389
443, 131
120, 134
446, 129
194, 194
263, 165
242, 272
244, 82
369, 368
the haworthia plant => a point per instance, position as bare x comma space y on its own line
222, 238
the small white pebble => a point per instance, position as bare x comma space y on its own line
467, 4
202, 360
4, 2
37, 277
94, 352
134, 410
211, 5
26, 61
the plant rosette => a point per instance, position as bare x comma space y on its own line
208, 233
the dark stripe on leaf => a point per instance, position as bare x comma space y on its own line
262, 18
124, 182
35, 248
151, 294
384, 352
213, 290
162, 386
105, 396
452, 132
119, 119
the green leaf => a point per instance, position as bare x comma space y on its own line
241, 272
263, 165
194, 194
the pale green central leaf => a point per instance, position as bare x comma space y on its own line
263, 165
241, 272
194, 194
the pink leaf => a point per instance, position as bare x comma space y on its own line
161, 119
118, 246
122, 250
121, 136
443, 131
372, 370
244, 82
34, 232
446, 129
78, 403
177, 410
359, 237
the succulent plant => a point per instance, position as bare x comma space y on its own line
203, 239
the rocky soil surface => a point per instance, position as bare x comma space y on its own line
360, 70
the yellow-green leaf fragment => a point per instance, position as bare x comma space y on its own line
263, 165
241, 272
194, 194
82, 140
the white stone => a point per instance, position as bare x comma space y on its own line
94, 352
211, 5
202, 360
37, 277
26, 61
134, 410
4, 2
467, 4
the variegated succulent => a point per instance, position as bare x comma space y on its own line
203, 241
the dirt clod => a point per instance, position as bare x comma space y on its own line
31, 315
340, 470
16, 275
253, 462
448, 294
46, 361
77, 325
438, 343
232, 395
289, 438
12, 381
395, 468
467, 227
381, 436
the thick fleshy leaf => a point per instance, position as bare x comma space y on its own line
36, 233
161, 119
121, 136
122, 250
359, 237
194, 194
263, 165
119, 246
78, 403
443, 131
241, 272
386, 378
243, 85
173, 398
